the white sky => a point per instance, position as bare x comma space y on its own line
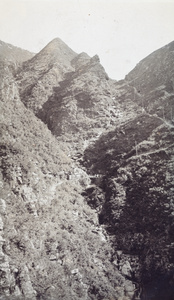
120, 32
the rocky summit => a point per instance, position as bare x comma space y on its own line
86, 176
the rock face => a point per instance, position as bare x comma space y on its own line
86, 210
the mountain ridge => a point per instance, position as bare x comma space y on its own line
159, 85
12, 55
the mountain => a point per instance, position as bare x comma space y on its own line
72, 94
86, 209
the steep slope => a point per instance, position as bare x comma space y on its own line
72, 94
80, 102
133, 181
153, 82
51, 244
38, 76
84, 106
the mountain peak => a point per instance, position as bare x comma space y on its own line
59, 48
55, 51
56, 42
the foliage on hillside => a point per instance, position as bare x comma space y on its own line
52, 245
137, 200
117, 145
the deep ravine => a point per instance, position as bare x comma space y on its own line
86, 208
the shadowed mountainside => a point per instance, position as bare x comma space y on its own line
153, 83
134, 198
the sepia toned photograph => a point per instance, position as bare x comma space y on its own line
86, 150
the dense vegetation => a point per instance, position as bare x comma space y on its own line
134, 198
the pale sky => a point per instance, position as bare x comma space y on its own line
120, 32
